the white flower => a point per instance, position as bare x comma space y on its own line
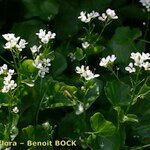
83, 17
103, 17
111, 13
93, 14
8, 83
12, 42
86, 73
72, 56
10, 72
42, 66
86, 17
106, 61
15, 110
35, 49
45, 38
85, 45
80, 109
146, 3
139, 58
10, 37
130, 68
51, 35
146, 65
10, 45
3, 69
22, 44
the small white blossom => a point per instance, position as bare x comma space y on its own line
35, 49
103, 17
9, 84
3, 69
71, 56
42, 66
14, 42
15, 110
108, 60
45, 38
85, 45
130, 68
22, 44
146, 3
139, 58
80, 109
86, 17
110, 14
93, 14
9, 36
146, 65
86, 73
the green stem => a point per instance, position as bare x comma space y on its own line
6, 61
139, 148
100, 33
114, 73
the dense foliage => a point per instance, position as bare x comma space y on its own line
75, 70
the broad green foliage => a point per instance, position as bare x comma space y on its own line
101, 126
118, 93
123, 43
42, 9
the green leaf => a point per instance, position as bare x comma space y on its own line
42, 9
28, 30
95, 50
101, 126
59, 95
118, 93
130, 118
123, 43
79, 54
27, 67
71, 126
39, 133
59, 64
92, 93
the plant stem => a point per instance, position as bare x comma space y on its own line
139, 148
6, 61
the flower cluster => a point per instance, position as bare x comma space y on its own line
45, 38
15, 110
140, 60
87, 17
86, 73
146, 3
105, 62
110, 14
9, 84
72, 56
14, 42
42, 65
